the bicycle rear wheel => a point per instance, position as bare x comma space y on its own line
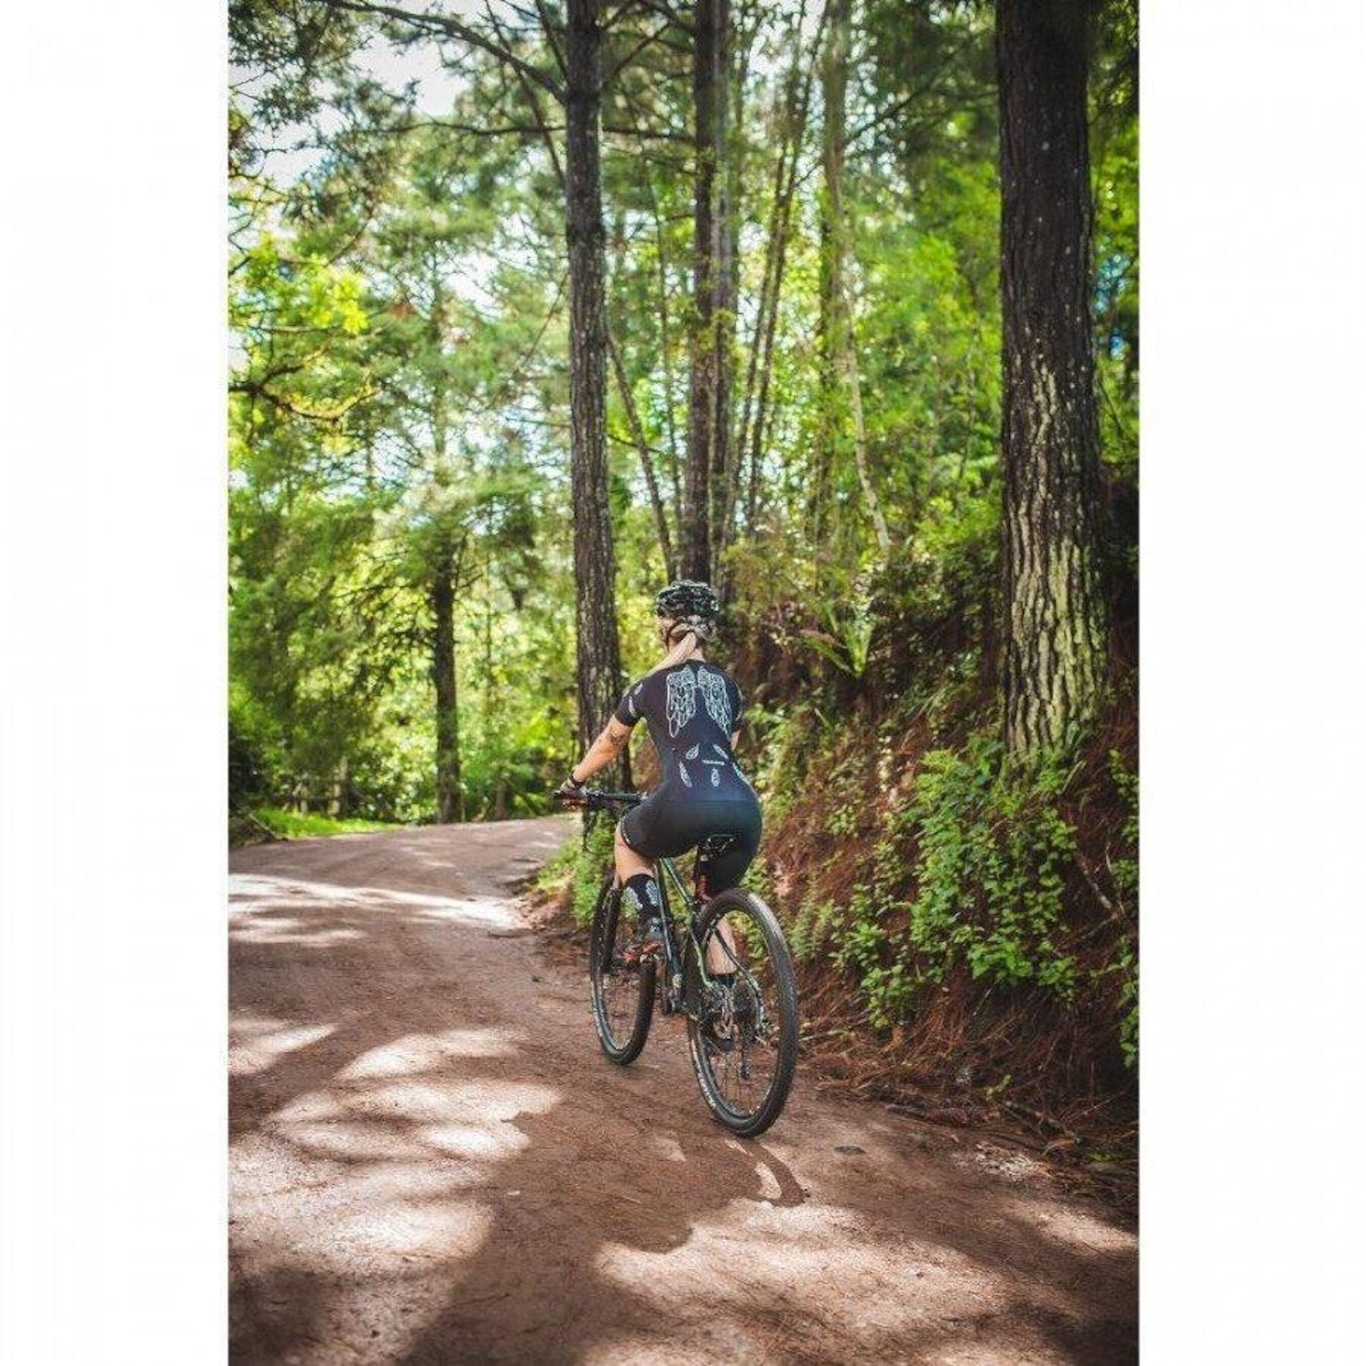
623, 995
743, 1040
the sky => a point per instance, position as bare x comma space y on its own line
392, 66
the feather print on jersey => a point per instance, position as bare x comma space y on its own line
683, 773
681, 701
715, 697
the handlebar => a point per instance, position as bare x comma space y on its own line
594, 799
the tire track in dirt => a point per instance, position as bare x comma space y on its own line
432, 1161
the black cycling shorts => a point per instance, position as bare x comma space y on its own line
663, 827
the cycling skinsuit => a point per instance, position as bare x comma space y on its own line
692, 710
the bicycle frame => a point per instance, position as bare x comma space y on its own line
666, 872
724, 1018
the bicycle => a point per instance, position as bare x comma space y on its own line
742, 1019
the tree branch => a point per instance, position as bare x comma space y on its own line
453, 28
667, 11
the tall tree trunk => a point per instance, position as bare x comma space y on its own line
784, 187
834, 80
841, 391
1055, 621
450, 800
713, 308
599, 651
849, 351
730, 150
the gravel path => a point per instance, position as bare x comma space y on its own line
432, 1161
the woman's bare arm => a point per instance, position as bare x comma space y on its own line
603, 751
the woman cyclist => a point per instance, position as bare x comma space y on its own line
693, 710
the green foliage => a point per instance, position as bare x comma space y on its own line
399, 413
1125, 966
1124, 868
1124, 871
301, 825
811, 925
592, 861
986, 888
993, 849
579, 868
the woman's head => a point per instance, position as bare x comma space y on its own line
687, 613
686, 605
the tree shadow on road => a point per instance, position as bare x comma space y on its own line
434, 1163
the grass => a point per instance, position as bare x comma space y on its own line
293, 825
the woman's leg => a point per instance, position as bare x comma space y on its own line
639, 890
629, 863
725, 872
722, 954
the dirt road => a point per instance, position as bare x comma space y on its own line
432, 1162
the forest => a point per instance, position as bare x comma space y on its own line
832, 303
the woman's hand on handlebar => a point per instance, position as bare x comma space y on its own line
570, 793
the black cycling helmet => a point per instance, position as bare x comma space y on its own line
692, 603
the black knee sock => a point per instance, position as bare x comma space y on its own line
641, 895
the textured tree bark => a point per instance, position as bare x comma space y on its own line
725, 471
709, 391
1055, 620
833, 81
785, 184
841, 392
599, 652
450, 800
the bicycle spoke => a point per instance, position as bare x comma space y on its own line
743, 1060
622, 990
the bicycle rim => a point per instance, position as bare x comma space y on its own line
622, 996
744, 1045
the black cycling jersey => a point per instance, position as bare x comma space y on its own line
692, 711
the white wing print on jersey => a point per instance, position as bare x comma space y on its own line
681, 699
716, 698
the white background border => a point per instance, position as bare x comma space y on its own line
112, 591
112, 657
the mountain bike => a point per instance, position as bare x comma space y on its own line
742, 1018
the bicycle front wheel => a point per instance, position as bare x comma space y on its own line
623, 994
743, 1037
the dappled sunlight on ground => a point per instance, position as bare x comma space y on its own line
1074, 1228
259, 1041
265, 895
431, 1162
418, 1052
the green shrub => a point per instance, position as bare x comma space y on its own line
592, 858
810, 927
578, 867
292, 825
989, 876
1124, 870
